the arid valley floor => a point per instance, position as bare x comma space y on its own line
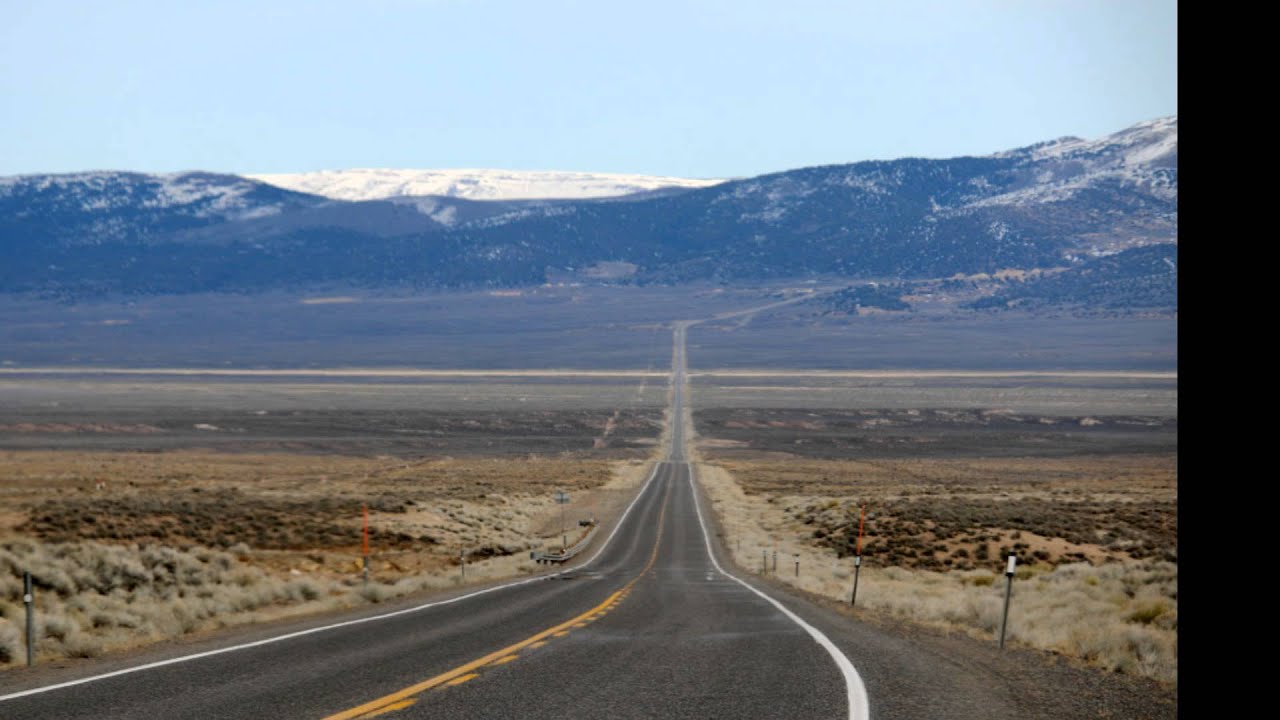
154, 504
202, 513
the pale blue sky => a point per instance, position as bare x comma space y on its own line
700, 89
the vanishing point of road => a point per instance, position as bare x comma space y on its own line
654, 622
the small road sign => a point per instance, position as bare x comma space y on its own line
562, 497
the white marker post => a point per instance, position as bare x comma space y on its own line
857, 567
857, 557
1008, 590
28, 599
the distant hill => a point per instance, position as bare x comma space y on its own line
93, 208
1049, 206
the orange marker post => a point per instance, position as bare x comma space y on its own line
861, 521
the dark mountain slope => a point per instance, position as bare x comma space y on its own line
1045, 206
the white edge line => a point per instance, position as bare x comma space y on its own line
334, 626
859, 709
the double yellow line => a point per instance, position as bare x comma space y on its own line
401, 699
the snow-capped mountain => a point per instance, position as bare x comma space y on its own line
100, 206
1142, 156
376, 184
1153, 143
1060, 204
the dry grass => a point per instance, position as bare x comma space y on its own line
92, 597
46, 474
221, 518
939, 514
1113, 475
1100, 588
130, 548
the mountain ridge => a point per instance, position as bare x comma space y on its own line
1052, 205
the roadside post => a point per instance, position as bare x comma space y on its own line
764, 561
562, 498
365, 543
28, 599
1008, 590
775, 561
857, 568
462, 561
797, 564
857, 557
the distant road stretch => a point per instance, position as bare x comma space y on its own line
651, 626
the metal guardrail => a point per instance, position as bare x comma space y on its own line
569, 554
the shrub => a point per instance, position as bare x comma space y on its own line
80, 645
55, 626
1147, 613
374, 592
10, 645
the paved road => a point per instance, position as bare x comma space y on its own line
650, 626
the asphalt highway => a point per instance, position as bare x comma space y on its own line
651, 623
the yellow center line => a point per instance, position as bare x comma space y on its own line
505, 660
462, 679
538, 644
392, 707
463, 673
452, 674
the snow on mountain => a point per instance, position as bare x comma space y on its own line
1146, 143
92, 207
1066, 202
1143, 156
205, 195
379, 184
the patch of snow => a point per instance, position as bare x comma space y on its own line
873, 183
527, 212
104, 192
259, 212
447, 217
431, 207
479, 184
